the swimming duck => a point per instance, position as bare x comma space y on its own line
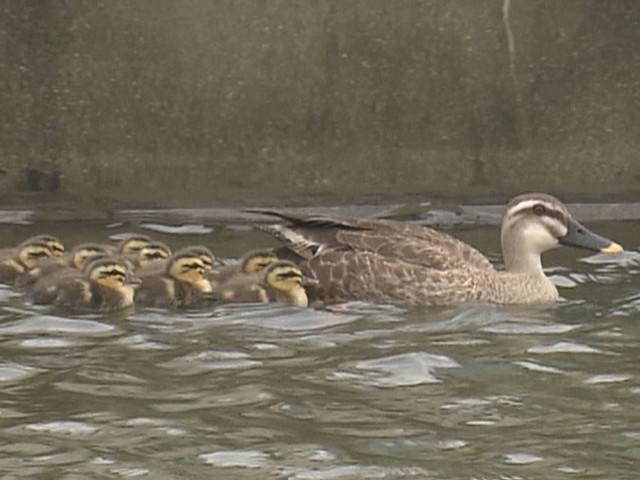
108, 284
26, 256
248, 270
397, 262
182, 283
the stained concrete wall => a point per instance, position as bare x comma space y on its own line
201, 102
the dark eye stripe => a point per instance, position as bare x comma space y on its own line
287, 275
112, 273
156, 255
192, 266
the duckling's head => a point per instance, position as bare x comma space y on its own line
85, 252
255, 261
201, 251
188, 268
31, 252
130, 247
55, 245
112, 273
535, 223
283, 275
153, 252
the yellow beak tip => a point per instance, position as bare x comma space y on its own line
612, 248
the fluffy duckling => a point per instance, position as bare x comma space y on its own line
75, 260
248, 270
201, 251
181, 284
130, 247
282, 282
152, 258
107, 284
23, 258
56, 246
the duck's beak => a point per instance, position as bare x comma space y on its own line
580, 236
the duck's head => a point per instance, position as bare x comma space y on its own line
55, 245
152, 253
535, 223
33, 251
189, 268
202, 252
85, 252
112, 273
255, 261
130, 247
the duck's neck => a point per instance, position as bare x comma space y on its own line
520, 262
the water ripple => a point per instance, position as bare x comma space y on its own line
404, 370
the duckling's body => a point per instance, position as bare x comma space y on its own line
182, 284
107, 285
396, 262
15, 262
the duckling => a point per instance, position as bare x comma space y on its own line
56, 246
130, 247
284, 283
248, 270
24, 257
207, 257
74, 261
281, 282
182, 283
152, 258
108, 284
44, 280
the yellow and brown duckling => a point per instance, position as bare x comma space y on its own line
248, 270
201, 251
284, 283
106, 285
181, 284
281, 282
129, 248
75, 260
56, 246
26, 256
152, 258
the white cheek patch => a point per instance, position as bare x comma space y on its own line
538, 238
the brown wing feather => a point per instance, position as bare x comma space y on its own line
310, 233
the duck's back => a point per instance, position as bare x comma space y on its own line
308, 235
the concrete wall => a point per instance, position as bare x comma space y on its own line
201, 102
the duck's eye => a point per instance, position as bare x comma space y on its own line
539, 209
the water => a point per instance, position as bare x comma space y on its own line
365, 391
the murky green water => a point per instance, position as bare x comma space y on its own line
240, 391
